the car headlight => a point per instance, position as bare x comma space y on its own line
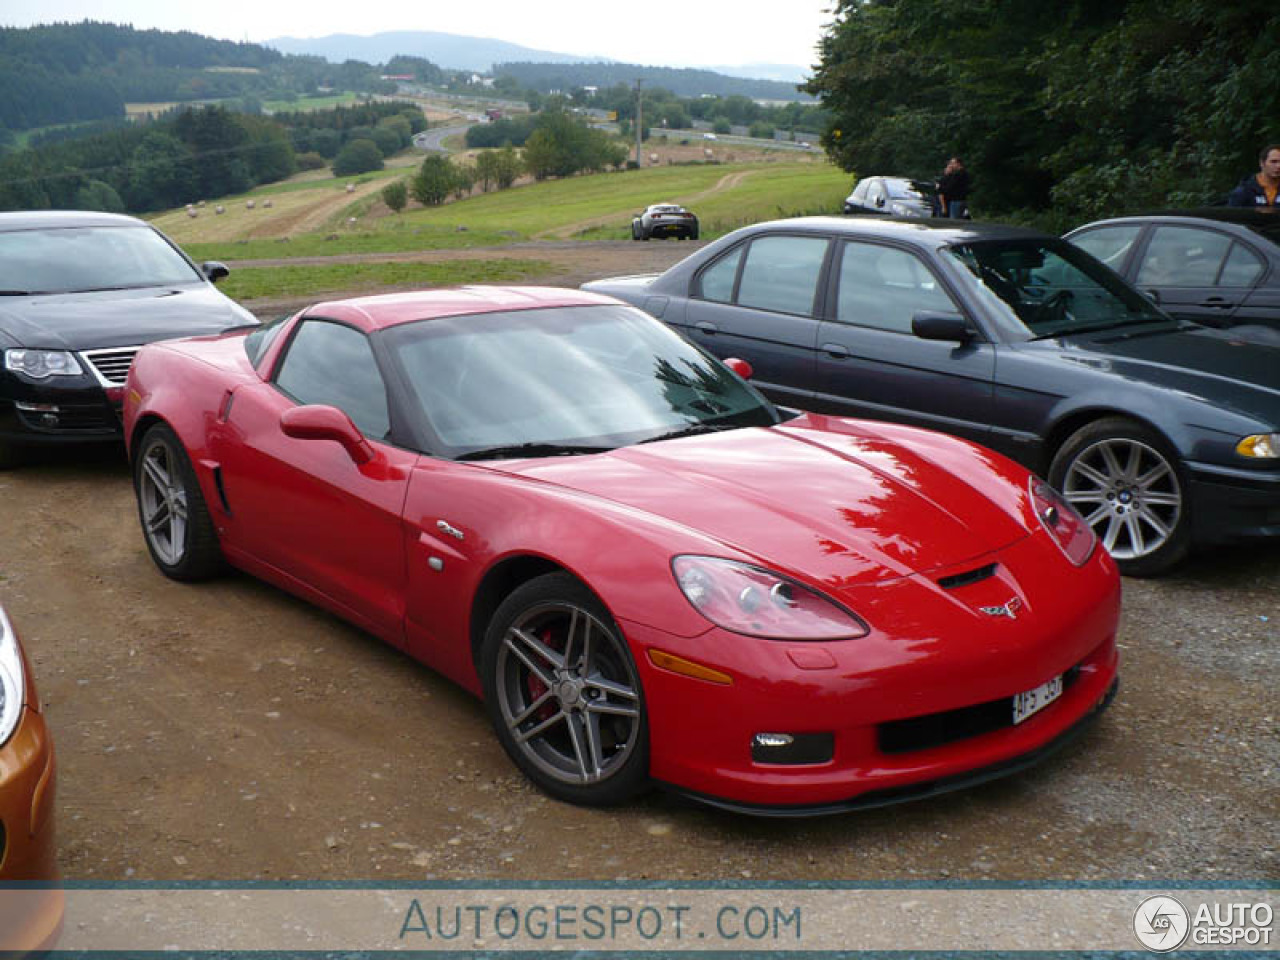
760, 603
11, 688
903, 210
41, 364
1261, 446
1065, 526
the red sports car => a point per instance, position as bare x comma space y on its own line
648, 572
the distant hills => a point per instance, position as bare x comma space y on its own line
448, 50
457, 52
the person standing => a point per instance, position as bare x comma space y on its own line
1260, 190
953, 190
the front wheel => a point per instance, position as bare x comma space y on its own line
175, 520
564, 695
1129, 486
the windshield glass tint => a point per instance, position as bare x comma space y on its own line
574, 376
1052, 288
89, 258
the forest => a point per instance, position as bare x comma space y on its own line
1064, 111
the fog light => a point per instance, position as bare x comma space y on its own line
46, 414
792, 748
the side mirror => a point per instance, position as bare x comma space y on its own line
319, 422
941, 326
1152, 295
214, 270
740, 367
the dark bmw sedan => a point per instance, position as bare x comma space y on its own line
1161, 433
79, 294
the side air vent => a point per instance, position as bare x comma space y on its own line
968, 577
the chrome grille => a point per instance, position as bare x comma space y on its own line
111, 366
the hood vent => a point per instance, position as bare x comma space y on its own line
968, 577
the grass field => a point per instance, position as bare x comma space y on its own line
315, 214
249, 283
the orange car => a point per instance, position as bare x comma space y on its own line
31, 906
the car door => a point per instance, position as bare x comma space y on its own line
760, 302
871, 364
304, 507
1199, 273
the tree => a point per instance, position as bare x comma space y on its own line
508, 167
161, 174
358, 156
434, 181
396, 196
96, 195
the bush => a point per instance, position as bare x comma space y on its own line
310, 161
395, 195
358, 156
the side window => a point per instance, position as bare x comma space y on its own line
1183, 257
1242, 269
884, 287
333, 364
1111, 245
781, 274
716, 282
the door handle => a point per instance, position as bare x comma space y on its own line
836, 351
1220, 302
707, 327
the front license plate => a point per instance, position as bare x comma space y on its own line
1032, 701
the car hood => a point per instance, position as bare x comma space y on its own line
1198, 362
115, 318
841, 502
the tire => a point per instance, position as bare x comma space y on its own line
564, 695
637, 230
175, 520
1131, 489
10, 456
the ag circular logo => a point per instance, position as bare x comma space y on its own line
1161, 923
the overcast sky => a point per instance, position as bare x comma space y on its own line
656, 32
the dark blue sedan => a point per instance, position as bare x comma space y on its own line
1162, 433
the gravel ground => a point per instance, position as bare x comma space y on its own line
227, 731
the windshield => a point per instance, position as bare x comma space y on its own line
78, 259
564, 380
1051, 287
910, 189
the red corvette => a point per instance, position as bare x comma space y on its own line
648, 572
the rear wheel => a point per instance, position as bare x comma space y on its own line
564, 695
1129, 486
175, 520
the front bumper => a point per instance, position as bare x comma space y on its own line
48, 416
896, 714
1229, 504
31, 905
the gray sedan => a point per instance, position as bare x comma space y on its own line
1162, 433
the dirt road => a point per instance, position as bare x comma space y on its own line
229, 732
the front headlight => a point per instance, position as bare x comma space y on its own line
903, 210
1070, 531
41, 364
1261, 446
760, 603
11, 688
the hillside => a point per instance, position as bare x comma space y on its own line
451, 51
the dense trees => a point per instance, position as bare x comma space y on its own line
1063, 111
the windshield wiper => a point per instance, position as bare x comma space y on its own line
518, 450
693, 430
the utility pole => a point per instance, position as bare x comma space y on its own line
639, 123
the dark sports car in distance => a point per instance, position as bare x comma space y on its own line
647, 571
1219, 266
1160, 432
664, 220
79, 294
892, 196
